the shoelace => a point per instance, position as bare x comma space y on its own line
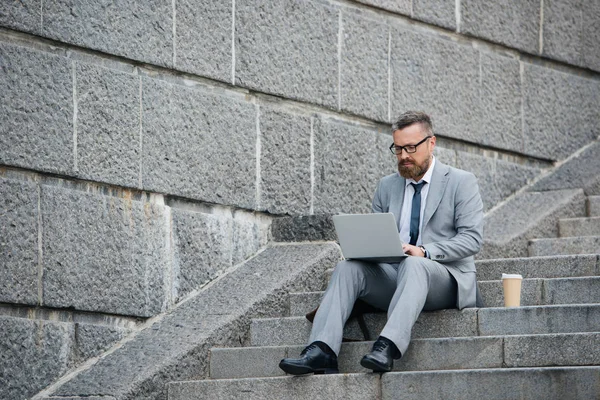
307, 349
380, 345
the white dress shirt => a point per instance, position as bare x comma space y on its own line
409, 192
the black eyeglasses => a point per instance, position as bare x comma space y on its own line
410, 148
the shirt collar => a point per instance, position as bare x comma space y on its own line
427, 176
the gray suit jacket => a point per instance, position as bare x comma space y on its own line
452, 228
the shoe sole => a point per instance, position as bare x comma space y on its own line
373, 365
299, 370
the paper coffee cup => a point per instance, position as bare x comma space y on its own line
511, 283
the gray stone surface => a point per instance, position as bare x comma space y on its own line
593, 206
591, 35
583, 290
80, 398
514, 25
108, 126
526, 216
364, 67
552, 350
32, 355
568, 245
18, 242
138, 31
438, 12
447, 156
296, 330
579, 226
539, 267
175, 347
246, 362
349, 162
493, 384
397, 6
203, 249
438, 75
303, 228
93, 340
250, 234
552, 129
302, 303
563, 27
21, 15
284, 162
571, 175
539, 319
36, 110
288, 48
500, 102
497, 179
203, 38
338, 386
103, 253
217, 163
493, 294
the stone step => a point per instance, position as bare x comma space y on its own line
534, 292
445, 323
593, 206
540, 267
425, 354
484, 384
570, 227
570, 245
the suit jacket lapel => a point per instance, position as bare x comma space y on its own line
439, 179
397, 198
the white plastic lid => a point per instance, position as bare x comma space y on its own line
511, 276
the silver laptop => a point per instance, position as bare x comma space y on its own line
369, 237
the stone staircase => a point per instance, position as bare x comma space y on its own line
549, 348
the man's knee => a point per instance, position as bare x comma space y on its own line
413, 266
348, 269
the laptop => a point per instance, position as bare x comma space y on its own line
369, 237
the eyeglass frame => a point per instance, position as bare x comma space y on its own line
393, 147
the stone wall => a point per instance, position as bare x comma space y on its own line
145, 147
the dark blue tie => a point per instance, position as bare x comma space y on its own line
415, 213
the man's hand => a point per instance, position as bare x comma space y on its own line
413, 250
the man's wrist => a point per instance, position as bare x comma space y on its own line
425, 252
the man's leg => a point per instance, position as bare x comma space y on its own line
421, 284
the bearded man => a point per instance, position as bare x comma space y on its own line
439, 214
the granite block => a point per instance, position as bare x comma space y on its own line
104, 254
567, 245
288, 48
347, 166
572, 175
364, 67
285, 143
437, 12
569, 227
439, 76
246, 362
33, 355
36, 110
203, 38
531, 293
590, 51
582, 290
108, 126
552, 350
217, 163
19, 254
563, 28
553, 129
501, 98
203, 249
514, 25
492, 384
25, 16
140, 31
93, 340
593, 206
303, 228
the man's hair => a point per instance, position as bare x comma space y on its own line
414, 117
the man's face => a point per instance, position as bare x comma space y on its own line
414, 165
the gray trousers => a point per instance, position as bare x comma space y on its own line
402, 289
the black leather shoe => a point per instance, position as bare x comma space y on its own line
312, 359
381, 357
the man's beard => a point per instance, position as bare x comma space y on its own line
414, 171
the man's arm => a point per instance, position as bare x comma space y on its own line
468, 222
